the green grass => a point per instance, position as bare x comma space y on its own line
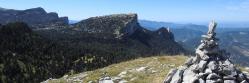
156, 69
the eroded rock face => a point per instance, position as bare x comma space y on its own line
35, 17
210, 65
116, 25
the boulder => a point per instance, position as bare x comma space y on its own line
170, 75
202, 65
213, 76
201, 81
213, 65
189, 76
229, 78
230, 81
189, 62
177, 78
244, 81
241, 77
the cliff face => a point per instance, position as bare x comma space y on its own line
90, 44
35, 17
117, 25
160, 41
126, 27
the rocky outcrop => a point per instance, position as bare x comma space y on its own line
117, 25
126, 27
35, 17
210, 65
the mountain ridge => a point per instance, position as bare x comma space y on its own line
53, 51
35, 17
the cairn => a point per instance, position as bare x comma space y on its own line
210, 65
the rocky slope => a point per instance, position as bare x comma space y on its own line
141, 70
35, 17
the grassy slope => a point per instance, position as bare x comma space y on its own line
142, 70
155, 70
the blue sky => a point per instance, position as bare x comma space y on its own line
186, 11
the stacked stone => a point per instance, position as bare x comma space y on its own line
210, 65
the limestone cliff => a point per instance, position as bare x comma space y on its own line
116, 25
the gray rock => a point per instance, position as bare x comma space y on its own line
194, 68
213, 76
202, 65
208, 71
230, 81
211, 81
210, 65
229, 78
214, 81
170, 75
202, 75
177, 78
213, 65
228, 69
241, 77
244, 81
220, 81
203, 54
189, 76
196, 59
201, 81
189, 62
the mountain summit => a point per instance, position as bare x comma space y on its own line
116, 25
90, 44
35, 17
125, 27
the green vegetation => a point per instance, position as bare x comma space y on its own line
142, 70
34, 56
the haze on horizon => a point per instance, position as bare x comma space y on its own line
179, 11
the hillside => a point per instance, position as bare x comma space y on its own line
28, 57
233, 39
120, 31
142, 70
236, 42
50, 52
35, 17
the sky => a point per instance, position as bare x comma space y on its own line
182, 11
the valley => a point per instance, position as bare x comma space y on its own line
36, 46
31, 53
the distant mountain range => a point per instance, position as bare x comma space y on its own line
73, 21
154, 25
35, 47
35, 17
233, 39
